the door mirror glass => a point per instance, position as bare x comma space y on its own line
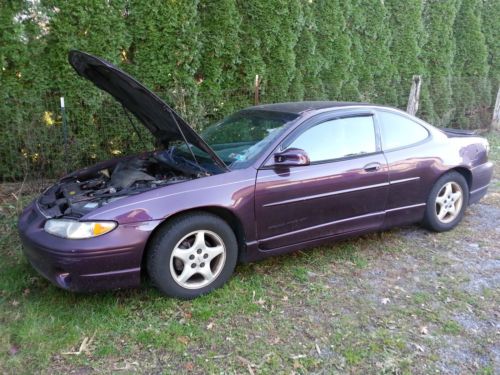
291, 157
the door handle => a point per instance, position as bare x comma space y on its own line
372, 167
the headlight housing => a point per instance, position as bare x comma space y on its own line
73, 229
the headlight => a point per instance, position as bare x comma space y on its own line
78, 229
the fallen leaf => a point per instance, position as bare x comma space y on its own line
318, 349
210, 325
424, 330
275, 341
260, 301
189, 366
419, 347
84, 347
183, 340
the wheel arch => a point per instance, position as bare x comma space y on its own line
225, 214
466, 173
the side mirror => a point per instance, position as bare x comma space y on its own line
291, 157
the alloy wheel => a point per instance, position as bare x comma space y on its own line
449, 202
197, 259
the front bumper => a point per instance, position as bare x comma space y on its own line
110, 261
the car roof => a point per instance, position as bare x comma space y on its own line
298, 108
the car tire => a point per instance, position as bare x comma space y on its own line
447, 202
192, 255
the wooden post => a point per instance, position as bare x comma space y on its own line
256, 90
495, 121
414, 97
65, 130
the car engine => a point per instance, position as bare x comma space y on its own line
74, 197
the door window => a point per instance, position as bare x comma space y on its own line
337, 138
399, 131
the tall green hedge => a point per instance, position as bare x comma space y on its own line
202, 57
491, 31
438, 53
406, 24
333, 48
471, 87
219, 55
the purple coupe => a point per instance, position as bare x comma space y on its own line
266, 180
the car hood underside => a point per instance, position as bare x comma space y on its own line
160, 119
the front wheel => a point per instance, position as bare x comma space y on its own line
192, 255
447, 202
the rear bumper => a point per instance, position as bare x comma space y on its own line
111, 261
481, 178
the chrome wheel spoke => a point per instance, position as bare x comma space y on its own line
447, 189
214, 252
199, 242
452, 210
456, 196
442, 213
440, 200
207, 273
186, 274
182, 254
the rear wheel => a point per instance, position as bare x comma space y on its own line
447, 202
192, 255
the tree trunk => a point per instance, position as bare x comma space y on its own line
414, 97
495, 121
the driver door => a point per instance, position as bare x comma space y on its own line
344, 189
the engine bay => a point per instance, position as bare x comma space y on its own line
77, 195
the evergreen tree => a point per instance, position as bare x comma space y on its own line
471, 89
307, 56
333, 47
165, 49
98, 28
491, 31
438, 52
407, 30
252, 62
372, 61
202, 57
219, 60
350, 90
269, 35
13, 61
376, 41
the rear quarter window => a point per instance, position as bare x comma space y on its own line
399, 131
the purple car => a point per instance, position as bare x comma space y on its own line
266, 180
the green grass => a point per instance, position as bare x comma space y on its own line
317, 310
451, 327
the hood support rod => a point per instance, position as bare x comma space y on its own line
185, 139
134, 127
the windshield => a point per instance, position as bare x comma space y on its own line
240, 138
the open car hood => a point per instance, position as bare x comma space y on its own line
161, 120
